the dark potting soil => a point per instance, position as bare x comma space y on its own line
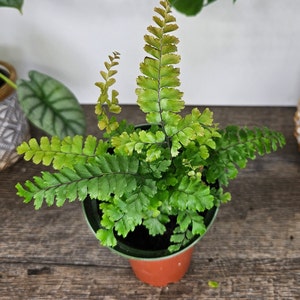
140, 238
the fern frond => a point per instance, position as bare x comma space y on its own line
146, 141
157, 91
111, 174
190, 224
108, 103
192, 194
195, 126
123, 215
236, 146
62, 153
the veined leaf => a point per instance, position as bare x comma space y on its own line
51, 106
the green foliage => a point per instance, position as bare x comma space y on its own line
49, 105
191, 7
174, 167
107, 175
63, 153
157, 93
235, 147
106, 102
213, 284
188, 7
12, 3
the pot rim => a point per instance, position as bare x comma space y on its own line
90, 207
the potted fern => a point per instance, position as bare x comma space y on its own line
163, 181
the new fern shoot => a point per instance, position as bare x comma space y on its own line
174, 168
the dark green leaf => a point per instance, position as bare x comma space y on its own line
50, 105
12, 3
188, 7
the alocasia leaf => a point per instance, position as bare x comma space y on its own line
50, 105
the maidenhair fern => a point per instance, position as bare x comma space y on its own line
174, 167
158, 95
108, 103
107, 175
63, 153
235, 147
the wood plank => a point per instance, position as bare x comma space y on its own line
238, 279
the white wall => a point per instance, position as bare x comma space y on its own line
242, 54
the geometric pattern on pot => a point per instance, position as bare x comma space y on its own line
14, 129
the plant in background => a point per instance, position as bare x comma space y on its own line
191, 7
48, 104
12, 3
174, 168
188, 7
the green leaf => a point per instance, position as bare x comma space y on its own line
154, 226
62, 153
188, 7
184, 220
123, 214
106, 237
156, 92
147, 83
191, 7
235, 147
112, 174
213, 284
51, 106
179, 238
108, 103
12, 3
190, 193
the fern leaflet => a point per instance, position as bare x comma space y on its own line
62, 153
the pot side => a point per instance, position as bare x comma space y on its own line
14, 128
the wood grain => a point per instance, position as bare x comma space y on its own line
252, 250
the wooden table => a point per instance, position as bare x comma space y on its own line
252, 251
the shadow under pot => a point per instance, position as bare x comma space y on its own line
14, 128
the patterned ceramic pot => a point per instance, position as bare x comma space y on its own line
14, 127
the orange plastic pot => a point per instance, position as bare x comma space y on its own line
161, 272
